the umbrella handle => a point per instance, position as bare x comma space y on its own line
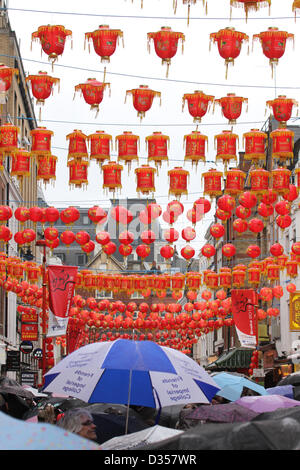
128, 402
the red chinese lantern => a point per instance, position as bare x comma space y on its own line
100, 145
8, 139
6, 235
178, 180
249, 5
283, 221
112, 176
254, 142
52, 39
292, 194
212, 280
208, 250
42, 86
69, 215
248, 199
145, 179
265, 210
92, 92
226, 147
243, 212
273, 44
217, 230
282, 207
195, 147
126, 237
127, 145
187, 252
273, 272
188, 234
67, 237
29, 235
154, 210
295, 248
35, 214
157, 147
240, 225
212, 183
82, 237
167, 251
109, 248
282, 109
292, 268
226, 203
269, 197
238, 278
171, 235
142, 99
254, 276
222, 215
266, 294
231, 106
148, 237
125, 250
88, 247
229, 43
225, 278
51, 233
259, 179
103, 238
77, 145
283, 144
281, 180
97, 215
235, 180
198, 104
6, 76
78, 173
276, 249
20, 165
46, 169
5, 214
105, 41
143, 251
291, 287
121, 215
228, 250
165, 44
22, 214
256, 225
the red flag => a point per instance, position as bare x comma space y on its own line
61, 289
244, 303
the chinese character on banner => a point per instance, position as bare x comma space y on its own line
244, 304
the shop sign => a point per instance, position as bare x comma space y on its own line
295, 311
29, 332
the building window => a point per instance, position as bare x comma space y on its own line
85, 220
103, 294
81, 259
61, 256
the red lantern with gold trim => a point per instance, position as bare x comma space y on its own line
69, 215
292, 194
125, 250
269, 197
228, 250
145, 179
97, 215
8, 139
212, 183
142, 99
238, 278
212, 280
256, 225
20, 166
283, 144
235, 180
46, 168
126, 237
187, 252
143, 251
157, 147
42, 86
165, 44
105, 41
254, 142
6, 213
273, 271
82, 237
295, 248
265, 210
282, 207
77, 145
92, 92
167, 251
41, 142
78, 173
292, 268
243, 212
195, 147
281, 180
67, 237
283, 221
198, 104
225, 278
276, 249
249, 5
188, 234
52, 40
127, 145
148, 237
103, 238
259, 179
217, 230
254, 276
226, 203
231, 106
178, 181
240, 225
248, 199
171, 235
208, 250
229, 43
226, 145
6, 76
273, 44
282, 109
100, 146
112, 173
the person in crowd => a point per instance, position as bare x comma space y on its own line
153, 266
184, 423
78, 421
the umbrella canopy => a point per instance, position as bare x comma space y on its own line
14, 388
284, 390
20, 435
224, 413
60, 405
292, 379
232, 385
135, 440
267, 403
34, 391
131, 372
110, 425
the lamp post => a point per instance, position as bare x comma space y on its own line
42, 243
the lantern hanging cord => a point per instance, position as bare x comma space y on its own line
144, 17
188, 82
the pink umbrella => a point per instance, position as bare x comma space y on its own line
264, 403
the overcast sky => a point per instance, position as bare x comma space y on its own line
198, 68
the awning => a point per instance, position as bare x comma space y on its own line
238, 358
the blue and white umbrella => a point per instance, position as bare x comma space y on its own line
133, 373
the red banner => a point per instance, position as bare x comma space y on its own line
29, 317
29, 332
244, 305
61, 289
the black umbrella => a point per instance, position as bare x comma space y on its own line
14, 388
110, 425
224, 413
292, 379
60, 404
